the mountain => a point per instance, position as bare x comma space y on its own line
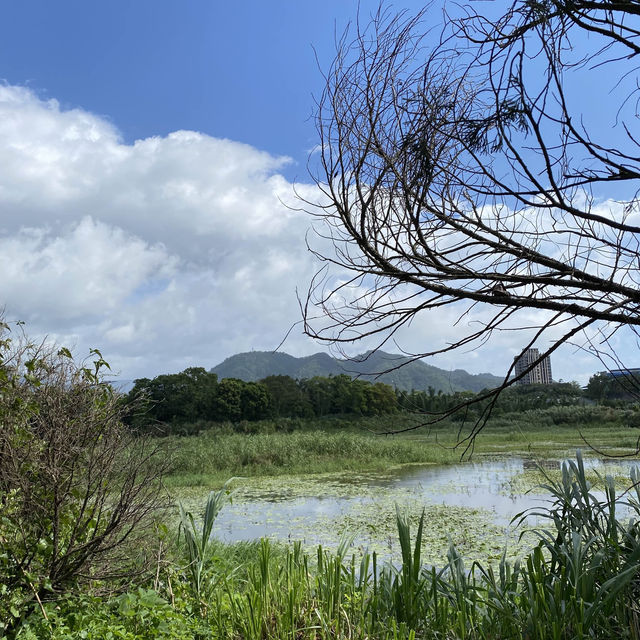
255, 365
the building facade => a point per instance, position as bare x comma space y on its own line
540, 374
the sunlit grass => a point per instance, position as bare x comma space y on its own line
208, 459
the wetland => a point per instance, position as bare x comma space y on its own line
471, 504
332, 531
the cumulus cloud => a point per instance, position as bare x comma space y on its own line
170, 252
71, 274
173, 251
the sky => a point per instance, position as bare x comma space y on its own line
150, 154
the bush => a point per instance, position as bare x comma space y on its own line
76, 487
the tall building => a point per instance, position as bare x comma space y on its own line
540, 374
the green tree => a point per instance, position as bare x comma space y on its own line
288, 397
381, 399
607, 386
175, 398
343, 398
255, 401
228, 400
320, 393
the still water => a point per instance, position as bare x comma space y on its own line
469, 504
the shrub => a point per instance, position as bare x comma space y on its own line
76, 487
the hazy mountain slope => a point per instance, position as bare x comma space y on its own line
255, 365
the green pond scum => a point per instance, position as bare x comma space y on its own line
327, 508
473, 531
532, 480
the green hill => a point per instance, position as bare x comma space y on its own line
374, 366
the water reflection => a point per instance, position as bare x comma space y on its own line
315, 513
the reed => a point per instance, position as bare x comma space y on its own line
211, 456
218, 453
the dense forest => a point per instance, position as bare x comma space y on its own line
196, 394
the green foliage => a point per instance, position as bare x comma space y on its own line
198, 543
194, 401
409, 586
255, 401
174, 403
584, 572
180, 397
75, 487
540, 396
215, 455
139, 613
604, 386
579, 416
288, 398
343, 395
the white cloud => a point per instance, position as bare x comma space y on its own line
74, 273
170, 252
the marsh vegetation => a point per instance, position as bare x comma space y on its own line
578, 581
399, 564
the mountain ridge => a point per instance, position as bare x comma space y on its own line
377, 366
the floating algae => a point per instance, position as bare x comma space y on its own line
535, 476
464, 504
470, 505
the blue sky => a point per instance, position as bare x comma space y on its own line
149, 152
239, 70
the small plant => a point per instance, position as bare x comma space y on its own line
198, 541
409, 586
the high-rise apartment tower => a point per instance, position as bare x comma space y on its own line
540, 374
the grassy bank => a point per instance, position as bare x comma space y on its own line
322, 446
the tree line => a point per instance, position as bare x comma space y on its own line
197, 395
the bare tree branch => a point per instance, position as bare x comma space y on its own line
457, 170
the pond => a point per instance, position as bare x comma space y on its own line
469, 504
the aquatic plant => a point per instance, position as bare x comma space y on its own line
408, 585
581, 580
584, 572
198, 540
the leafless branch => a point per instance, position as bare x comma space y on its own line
456, 171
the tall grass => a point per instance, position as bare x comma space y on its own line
584, 572
213, 455
325, 446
